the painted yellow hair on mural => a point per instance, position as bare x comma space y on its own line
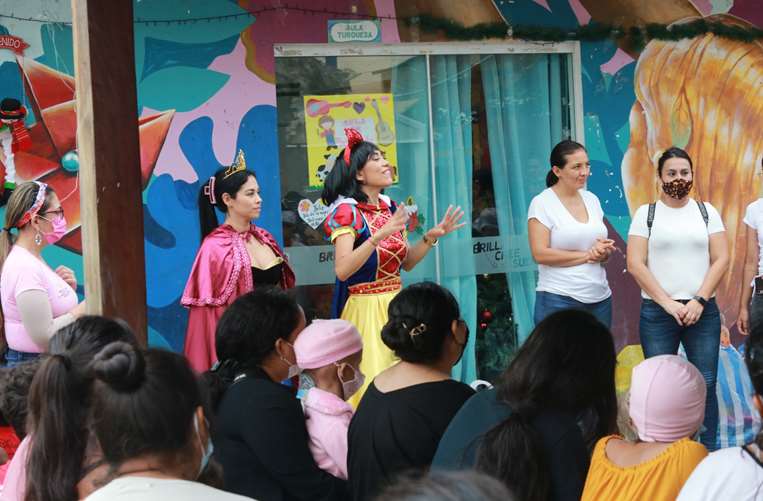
704, 95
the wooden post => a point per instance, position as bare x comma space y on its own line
109, 154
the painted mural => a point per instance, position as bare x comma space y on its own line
206, 89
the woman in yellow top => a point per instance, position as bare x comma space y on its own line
667, 406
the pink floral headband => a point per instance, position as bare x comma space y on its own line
35, 208
209, 190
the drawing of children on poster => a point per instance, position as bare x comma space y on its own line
326, 130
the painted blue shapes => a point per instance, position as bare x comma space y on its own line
162, 54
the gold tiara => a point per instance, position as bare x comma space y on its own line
238, 165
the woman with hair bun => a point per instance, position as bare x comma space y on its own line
150, 426
58, 459
568, 239
407, 407
368, 231
234, 257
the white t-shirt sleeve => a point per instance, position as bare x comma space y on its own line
714, 221
638, 223
749, 215
538, 210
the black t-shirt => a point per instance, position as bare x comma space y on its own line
261, 441
398, 431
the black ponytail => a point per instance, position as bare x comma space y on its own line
558, 158
567, 365
212, 191
551, 178
525, 469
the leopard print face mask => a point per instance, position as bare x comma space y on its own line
678, 188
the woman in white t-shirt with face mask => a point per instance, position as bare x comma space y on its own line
678, 253
568, 239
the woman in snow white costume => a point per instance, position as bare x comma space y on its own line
371, 245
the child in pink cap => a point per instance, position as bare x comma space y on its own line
666, 406
330, 351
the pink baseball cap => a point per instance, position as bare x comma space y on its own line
324, 342
667, 398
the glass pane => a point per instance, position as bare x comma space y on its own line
386, 98
495, 119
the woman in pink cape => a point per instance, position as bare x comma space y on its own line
233, 258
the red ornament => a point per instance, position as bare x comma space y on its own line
487, 315
483, 326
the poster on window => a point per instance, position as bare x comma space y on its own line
326, 117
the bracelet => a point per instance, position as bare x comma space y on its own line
373, 242
429, 242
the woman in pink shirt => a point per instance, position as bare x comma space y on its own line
36, 300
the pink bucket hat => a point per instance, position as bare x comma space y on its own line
324, 342
667, 399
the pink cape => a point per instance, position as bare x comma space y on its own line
220, 274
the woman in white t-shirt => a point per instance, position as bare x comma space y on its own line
751, 300
678, 253
736, 472
568, 239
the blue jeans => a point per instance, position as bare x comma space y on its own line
660, 335
14, 358
547, 303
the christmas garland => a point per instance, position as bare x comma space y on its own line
636, 36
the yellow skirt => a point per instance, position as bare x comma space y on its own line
368, 313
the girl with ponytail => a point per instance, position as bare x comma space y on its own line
536, 429
234, 257
568, 239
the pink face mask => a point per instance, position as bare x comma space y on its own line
59, 228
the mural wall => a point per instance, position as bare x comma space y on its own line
205, 77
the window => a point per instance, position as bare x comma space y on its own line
466, 124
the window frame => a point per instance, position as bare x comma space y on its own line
572, 48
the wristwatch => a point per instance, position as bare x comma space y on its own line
700, 300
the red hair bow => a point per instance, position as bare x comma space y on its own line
353, 138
